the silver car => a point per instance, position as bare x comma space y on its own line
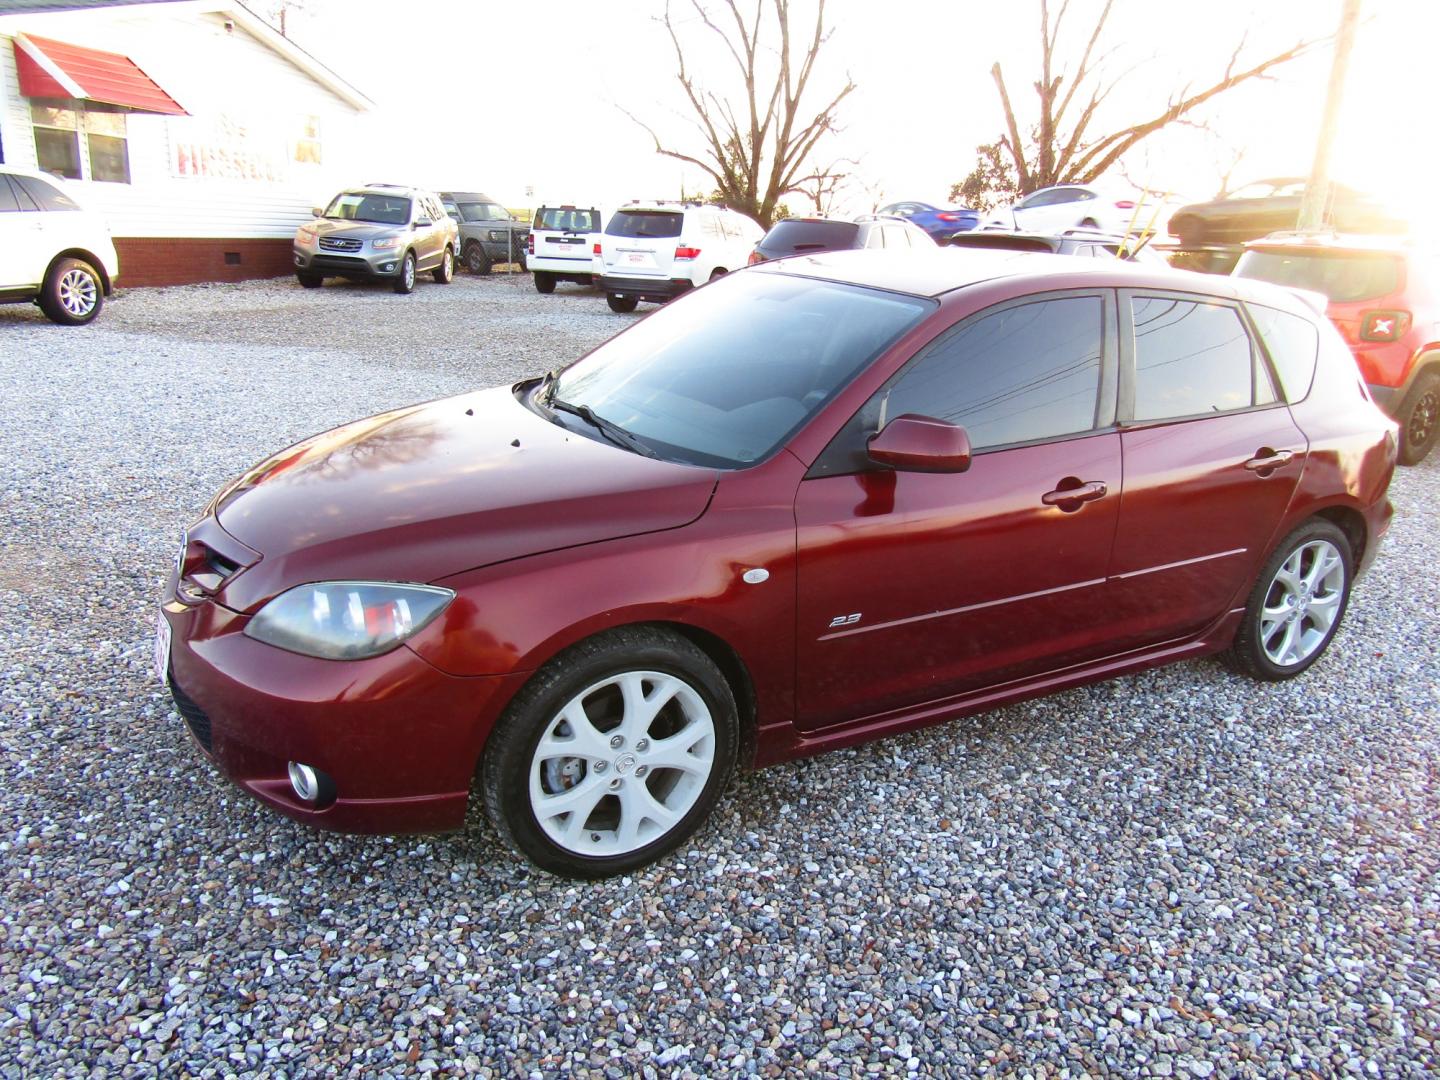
379, 231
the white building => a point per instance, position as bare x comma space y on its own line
201, 133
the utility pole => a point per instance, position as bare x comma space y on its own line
1317, 191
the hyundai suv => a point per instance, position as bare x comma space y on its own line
657, 250
53, 252
380, 231
1384, 296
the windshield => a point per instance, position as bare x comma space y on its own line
647, 223
380, 209
483, 211
723, 376
1343, 277
563, 219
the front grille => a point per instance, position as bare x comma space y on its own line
340, 262
339, 243
194, 716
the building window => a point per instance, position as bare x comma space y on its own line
57, 140
307, 146
64, 136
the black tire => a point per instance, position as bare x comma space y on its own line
1420, 419
445, 272
718, 272
309, 281
510, 756
1248, 654
623, 304
476, 261
544, 282
73, 293
405, 280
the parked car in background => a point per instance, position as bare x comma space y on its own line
378, 232
489, 233
53, 252
1082, 242
1384, 296
657, 250
562, 243
803, 236
1079, 206
823, 500
1267, 206
939, 222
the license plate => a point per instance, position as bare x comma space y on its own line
162, 651
635, 259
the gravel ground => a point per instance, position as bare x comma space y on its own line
1179, 874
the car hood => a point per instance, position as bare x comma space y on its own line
360, 230
424, 492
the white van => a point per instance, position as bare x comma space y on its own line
562, 245
657, 250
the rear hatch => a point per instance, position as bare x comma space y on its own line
798, 237
641, 243
563, 237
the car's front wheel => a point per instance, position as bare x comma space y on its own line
612, 755
476, 261
405, 282
72, 294
309, 281
1296, 605
1420, 419
622, 304
445, 272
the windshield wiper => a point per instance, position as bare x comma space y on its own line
611, 430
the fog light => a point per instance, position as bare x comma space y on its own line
388, 267
299, 260
311, 785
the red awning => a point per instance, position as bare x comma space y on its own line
53, 69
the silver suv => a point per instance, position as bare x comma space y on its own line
379, 231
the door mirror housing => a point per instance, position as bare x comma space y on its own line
914, 443
317, 211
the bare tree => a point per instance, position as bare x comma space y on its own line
1062, 148
756, 140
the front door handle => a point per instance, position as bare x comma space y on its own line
1073, 494
1266, 461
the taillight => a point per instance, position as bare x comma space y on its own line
1125, 204
755, 257
530, 243
947, 216
687, 253
1384, 325
597, 248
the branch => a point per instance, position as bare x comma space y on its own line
1022, 171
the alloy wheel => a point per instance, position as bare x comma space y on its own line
78, 292
1302, 603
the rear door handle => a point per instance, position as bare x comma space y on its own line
1070, 499
1267, 461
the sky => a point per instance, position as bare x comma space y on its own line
530, 104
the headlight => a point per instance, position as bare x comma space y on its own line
385, 243
347, 620
305, 237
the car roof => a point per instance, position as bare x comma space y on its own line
933, 273
478, 195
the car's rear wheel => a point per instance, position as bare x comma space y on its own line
72, 294
612, 755
1420, 419
544, 282
445, 272
405, 282
476, 261
310, 281
1296, 605
622, 304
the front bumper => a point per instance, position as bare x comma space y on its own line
655, 290
362, 265
399, 738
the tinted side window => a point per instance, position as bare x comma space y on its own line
1293, 344
46, 196
1023, 373
7, 196
1190, 359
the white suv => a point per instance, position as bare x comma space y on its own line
656, 250
52, 251
561, 245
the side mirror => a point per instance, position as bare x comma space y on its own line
423, 223
914, 443
317, 211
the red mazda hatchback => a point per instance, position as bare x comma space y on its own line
813, 503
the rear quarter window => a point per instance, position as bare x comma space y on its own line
645, 223
1292, 343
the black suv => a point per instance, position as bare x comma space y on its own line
488, 234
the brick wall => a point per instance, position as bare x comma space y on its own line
186, 261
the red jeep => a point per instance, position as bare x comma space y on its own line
1384, 299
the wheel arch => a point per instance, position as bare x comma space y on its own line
94, 261
1352, 523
